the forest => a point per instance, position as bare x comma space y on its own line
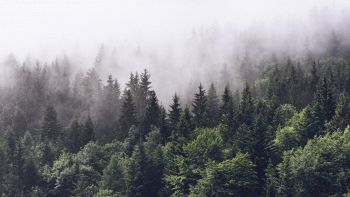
284, 133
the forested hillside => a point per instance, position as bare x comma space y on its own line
283, 134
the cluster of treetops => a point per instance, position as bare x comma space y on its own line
285, 134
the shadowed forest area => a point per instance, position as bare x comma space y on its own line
283, 134
217, 98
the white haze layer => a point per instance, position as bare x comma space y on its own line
181, 42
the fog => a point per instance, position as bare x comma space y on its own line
180, 42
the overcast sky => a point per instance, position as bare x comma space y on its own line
48, 27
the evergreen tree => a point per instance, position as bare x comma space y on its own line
174, 113
144, 92
152, 114
213, 107
19, 123
200, 107
91, 85
87, 131
246, 107
227, 113
154, 163
135, 178
108, 111
50, 127
128, 116
324, 102
114, 176
186, 126
74, 136
341, 119
164, 125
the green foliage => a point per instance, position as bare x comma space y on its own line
51, 129
200, 108
174, 113
114, 178
318, 169
128, 114
282, 136
206, 146
233, 177
213, 107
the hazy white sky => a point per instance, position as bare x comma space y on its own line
48, 27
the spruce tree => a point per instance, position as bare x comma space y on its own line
246, 107
74, 137
144, 91
186, 125
128, 114
174, 113
342, 113
323, 104
213, 106
152, 113
50, 127
163, 125
19, 123
200, 108
135, 177
113, 176
88, 132
226, 108
108, 109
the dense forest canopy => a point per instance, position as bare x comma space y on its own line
283, 134
262, 110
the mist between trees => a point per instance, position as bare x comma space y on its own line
263, 112
283, 134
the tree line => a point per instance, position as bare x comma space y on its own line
283, 134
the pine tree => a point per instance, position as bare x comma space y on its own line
154, 163
152, 114
324, 104
50, 128
113, 176
91, 86
163, 125
133, 85
226, 108
213, 106
87, 131
135, 178
144, 92
246, 107
19, 123
174, 113
200, 107
108, 111
128, 114
342, 113
74, 136
186, 126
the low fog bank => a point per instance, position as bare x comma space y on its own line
220, 51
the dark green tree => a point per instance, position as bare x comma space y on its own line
88, 131
174, 113
74, 136
185, 126
246, 107
164, 125
114, 176
152, 114
341, 118
213, 107
128, 114
200, 108
51, 129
